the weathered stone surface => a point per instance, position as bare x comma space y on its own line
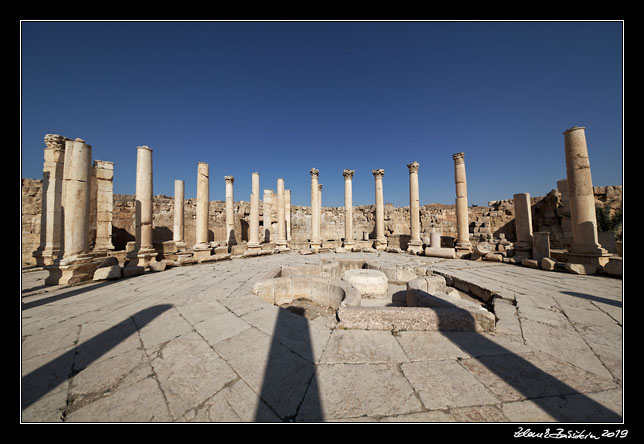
548, 264
580, 268
614, 267
111, 272
371, 284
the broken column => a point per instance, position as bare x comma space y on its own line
202, 248
381, 241
281, 226
585, 247
348, 208
253, 228
315, 241
76, 265
463, 245
523, 224
104, 174
415, 245
51, 222
230, 211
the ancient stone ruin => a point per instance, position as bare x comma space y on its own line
75, 227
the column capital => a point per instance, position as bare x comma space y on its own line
314, 172
55, 142
458, 156
142, 147
413, 167
348, 174
378, 173
229, 179
320, 186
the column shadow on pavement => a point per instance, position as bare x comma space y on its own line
290, 387
533, 383
49, 376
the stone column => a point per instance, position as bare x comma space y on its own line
585, 246
268, 216
381, 241
51, 221
202, 248
178, 234
281, 226
76, 265
348, 208
287, 213
523, 222
230, 211
315, 241
415, 244
144, 252
320, 211
463, 244
104, 173
76, 212
253, 228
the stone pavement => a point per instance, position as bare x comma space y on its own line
193, 343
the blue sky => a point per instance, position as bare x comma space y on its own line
283, 97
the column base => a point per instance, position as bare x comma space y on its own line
349, 244
598, 260
415, 246
141, 258
380, 244
315, 244
71, 272
281, 245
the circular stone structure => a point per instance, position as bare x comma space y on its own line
371, 284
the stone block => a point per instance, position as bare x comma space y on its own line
158, 265
530, 263
132, 270
580, 268
614, 267
371, 284
110, 272
548, 264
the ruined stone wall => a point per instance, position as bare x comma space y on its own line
31, 211
549, 213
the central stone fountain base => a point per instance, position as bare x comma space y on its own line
371, 284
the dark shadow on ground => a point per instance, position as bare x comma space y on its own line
526, 378
46, 378
62, 294
594, 298
290, 386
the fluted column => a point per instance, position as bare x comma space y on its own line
253, 228
281, 227
230, 210
348, 208
462, 219
179, 219
381, 240
415, 244
581, 197
315, 208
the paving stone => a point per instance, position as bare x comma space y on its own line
360, 346
443, 384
